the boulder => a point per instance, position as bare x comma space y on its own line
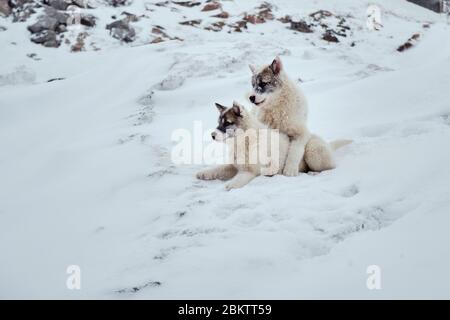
61, 17
122, 30
58, 4
5, 9
211, 6
22, 9
88, 20
48, 38
83, 4
301, 26
118, 3
44, 23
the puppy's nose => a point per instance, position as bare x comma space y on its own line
213, 135
252, 99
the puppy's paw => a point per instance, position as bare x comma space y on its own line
233, 185
205, 175
290, 170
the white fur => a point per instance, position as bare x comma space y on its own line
242, 172
286, 109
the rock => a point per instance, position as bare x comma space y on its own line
188, 4
118, 3
33, 56
285, 19
191, 23
61, 28
22, 9
5, 9
266, 14
162, 3
58, 4
61, 17
48, 38
2, 28
211, 6
130, 17
79, 45
157, 40
86, 4
55, 79
223, 15
122, 30
253, 19
409, 43
159, 31
301, 26
319, 15
44, 23
216, 27
328, 36
239, 25
88, 20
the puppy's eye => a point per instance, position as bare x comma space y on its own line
228, 122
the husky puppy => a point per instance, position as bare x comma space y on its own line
246, 137
280, 104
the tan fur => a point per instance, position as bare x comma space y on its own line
240, 170
286, 109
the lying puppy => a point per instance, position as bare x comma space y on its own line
254, 148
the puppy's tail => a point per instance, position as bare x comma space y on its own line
336, 144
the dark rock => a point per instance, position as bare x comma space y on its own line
191, 23
48, 38
188, 4
162, 4
330, 37
122, 30
216, 27
33, 56
223, 15
118, 3
301, 26
5, 9
409, 43
57, 4
239, 25
130, 17
285, 19
159, 31
44, 23
61, 17
2, 28
321, 14
56, 79
61, 28
88, 20
86, 4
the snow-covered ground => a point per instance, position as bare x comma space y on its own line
86, 176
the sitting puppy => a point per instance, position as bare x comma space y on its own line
254, 148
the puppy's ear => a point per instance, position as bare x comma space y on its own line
220, 107
276, 65
237, 109
252, 68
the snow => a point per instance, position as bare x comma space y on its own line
87, 177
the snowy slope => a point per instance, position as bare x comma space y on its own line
87, 177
